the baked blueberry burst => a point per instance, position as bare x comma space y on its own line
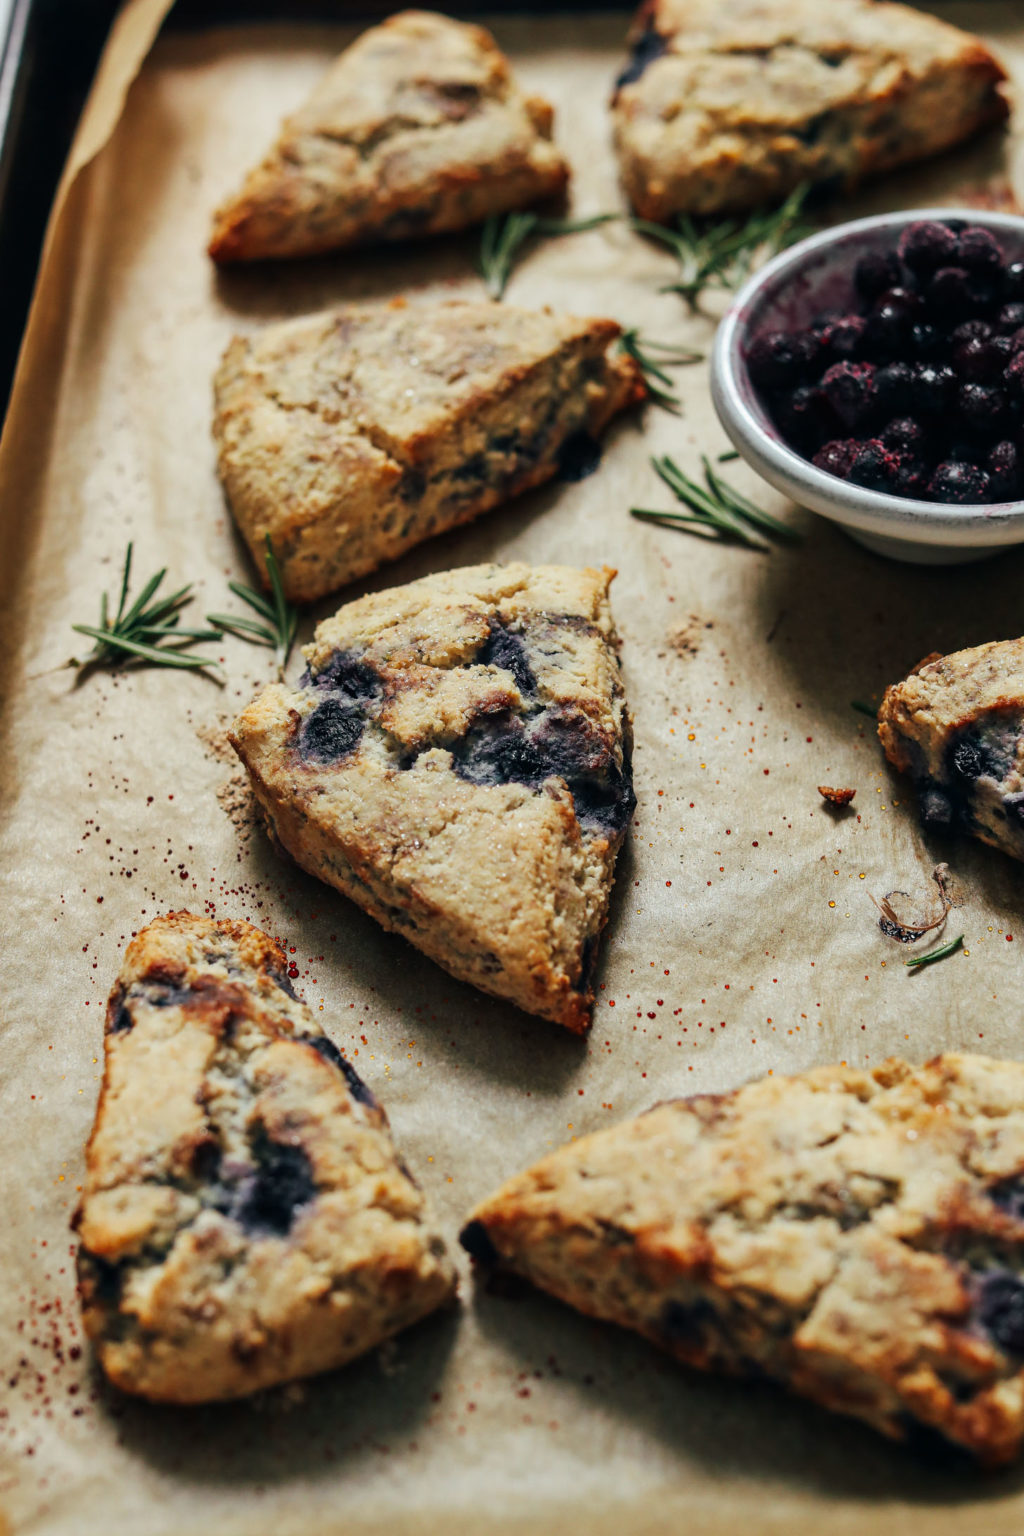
918, 388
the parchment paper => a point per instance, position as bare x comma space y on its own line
742, 939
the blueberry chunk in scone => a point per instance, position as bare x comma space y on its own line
956, 725
245, 1218
417, 128
723, 107
456, 759
350, 437
855, 1236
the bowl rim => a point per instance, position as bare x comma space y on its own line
782, 466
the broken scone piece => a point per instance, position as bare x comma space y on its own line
417, 128
724, 107
354, 435
456, 759
246, 1219
856, 1236
956, 725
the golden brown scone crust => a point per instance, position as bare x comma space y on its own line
417, 128
245, 1218
728, 106
956, 725
456, 760
354, 435
857, 1236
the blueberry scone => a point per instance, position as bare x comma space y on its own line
956, 725
456, 759
245, 1218
856, 1236
354, 435
417, 128
725, 107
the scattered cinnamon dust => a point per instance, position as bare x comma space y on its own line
686, 638
234, 796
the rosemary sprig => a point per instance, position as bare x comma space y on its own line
652, 358
714, 508
936, 954
505, 235
723, 254
148, 630
864, 709
281, 618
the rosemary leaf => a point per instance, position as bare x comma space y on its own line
278, 633
148, 630
723, 254
504, 235
936, 954
714, 507
728, 456
739, 504
653, 358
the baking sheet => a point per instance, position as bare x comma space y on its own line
742, 938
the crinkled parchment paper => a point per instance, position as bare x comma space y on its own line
742, 939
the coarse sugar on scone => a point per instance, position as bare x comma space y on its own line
724, 107
456, 759
857, 1236
419, 127
245, 1218
956, 726
350, 437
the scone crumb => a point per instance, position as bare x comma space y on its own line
687, 638
838, 797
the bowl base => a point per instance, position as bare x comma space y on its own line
913, 553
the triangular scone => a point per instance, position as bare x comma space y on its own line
456, 759
354, 435
856, 1236
417, 128
246, 1218
956, 725
727, 106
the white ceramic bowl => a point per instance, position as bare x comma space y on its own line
787, 292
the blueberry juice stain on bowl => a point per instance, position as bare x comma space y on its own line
914, 384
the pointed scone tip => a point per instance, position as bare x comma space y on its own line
418, 128
723, 108
956, 726
245, 1218
855, 1236
353, 435
456, 760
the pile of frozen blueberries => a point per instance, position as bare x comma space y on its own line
919, 390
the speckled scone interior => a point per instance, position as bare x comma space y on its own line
417, 128
726, 106
349, 437
956, 725
245, 1218
456, 759
857, 1236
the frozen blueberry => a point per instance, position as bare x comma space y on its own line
893, 385
1011, 317
875, 272
971, 330
978, 251
925, 341
904, 435
775, 360
849, 389
844, 340
927, 245
1013, 280
875, 466
1013, 376
979, 362
887, 331
802, 415
837, 457
932, 387
959, 484
949, 290
1000, 1308
1004, 466
983, 408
